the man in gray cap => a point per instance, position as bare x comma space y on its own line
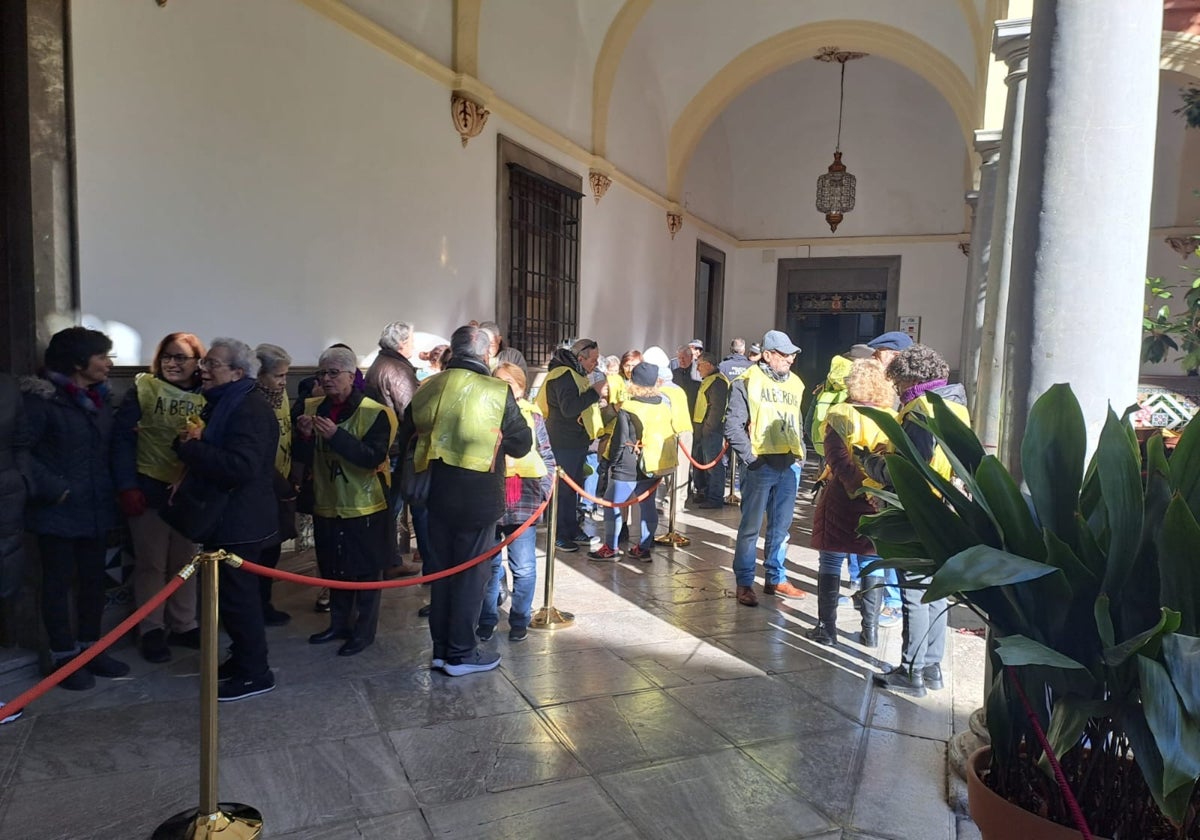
764, 425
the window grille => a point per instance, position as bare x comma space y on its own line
544, 264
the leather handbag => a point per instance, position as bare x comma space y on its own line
195, 508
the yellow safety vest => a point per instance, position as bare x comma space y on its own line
702, 397
658, 436
775, 415
458, 415
681, 421
857, 429
341, 489
616, 389
590, 419
283, 456
165, 409
531, 464
921, 405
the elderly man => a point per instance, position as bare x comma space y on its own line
501, 351
572, 411
392, 381
764, 425
465, 422
735, 364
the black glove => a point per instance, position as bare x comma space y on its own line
757, 463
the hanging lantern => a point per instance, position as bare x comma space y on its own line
835, 189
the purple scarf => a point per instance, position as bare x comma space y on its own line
89, 399
917, 390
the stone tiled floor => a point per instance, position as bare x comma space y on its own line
667, 711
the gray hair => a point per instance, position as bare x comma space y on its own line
492, 329
338, 357
241, 357
470, 343
395, 334
272, 357
738, 345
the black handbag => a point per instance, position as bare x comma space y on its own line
195, 509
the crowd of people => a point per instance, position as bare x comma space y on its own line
207, 449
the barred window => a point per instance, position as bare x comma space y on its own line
543, 257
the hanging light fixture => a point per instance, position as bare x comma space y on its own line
835, 189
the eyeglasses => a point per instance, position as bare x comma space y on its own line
330, 374
177, 358
209, 363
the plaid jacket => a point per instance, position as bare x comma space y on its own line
534, 491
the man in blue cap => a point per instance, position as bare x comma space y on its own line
765, 427
889, 345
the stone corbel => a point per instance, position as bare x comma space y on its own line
161, 3
468, 109
965, 247
1185, 246
600, 183
674, 220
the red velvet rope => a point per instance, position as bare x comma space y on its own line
1059, 776
710, 464
605, 502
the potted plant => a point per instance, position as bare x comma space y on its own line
1090, 583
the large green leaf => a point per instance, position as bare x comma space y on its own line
1104, 622
1058, 554
1052, 456
1179, 564
1068, 719
982, 567
1117, 464
889, 524
1182, 656
1177, 736
1146, 642
1090, 552
914, 565
1009, 509
938, 528
958, 440
1185, 466
1021, 650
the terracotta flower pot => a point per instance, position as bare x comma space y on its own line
999, 819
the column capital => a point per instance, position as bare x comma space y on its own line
987, 143
1010, 44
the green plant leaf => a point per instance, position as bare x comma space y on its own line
1177, 736
1104, 622
1068, 719
1058, 554
982, 567
1052, 457
1009, 510
1182, 656
1022, 650
1185, 467
959, 442
889, 524
1179, 564
1149, 759
938, 528
1168, 622
1090, 553
915, 565
1119, 470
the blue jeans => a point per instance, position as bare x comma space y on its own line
620, 491
769, 491
571, 462
891, 592
522, 560
591, 481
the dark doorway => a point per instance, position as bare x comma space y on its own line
830, 303
710, 296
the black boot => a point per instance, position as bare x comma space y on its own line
825, 633
872, 599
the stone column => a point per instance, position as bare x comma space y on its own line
983, 202
1083, 209
1011, 45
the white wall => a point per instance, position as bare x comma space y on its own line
426, 24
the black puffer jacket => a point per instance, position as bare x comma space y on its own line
14, 461
69, 445
566, 404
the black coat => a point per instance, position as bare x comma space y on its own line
14, 462
243, 466
565, 405
69, 445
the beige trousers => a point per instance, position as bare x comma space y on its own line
159, 551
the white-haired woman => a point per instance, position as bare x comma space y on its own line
274, 363
344, 438
229, 463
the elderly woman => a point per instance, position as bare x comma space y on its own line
70, 427
344, 438
835, 521
230, 461
274, 363
527, 481
152, 414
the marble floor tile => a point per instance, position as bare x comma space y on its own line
630, 627
687, 661
409, 825
574, 808
421, 696
775, 651
847, 689
717, 796
607, 733
573, 675
757, 709
822, 766
464, 759
909, 775
328, 710
930, 716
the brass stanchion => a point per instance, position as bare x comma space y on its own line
672, 537
733, 498
550, 617
230, 820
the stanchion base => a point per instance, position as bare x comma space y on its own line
673, 539
231, 821
551, 618
733, 499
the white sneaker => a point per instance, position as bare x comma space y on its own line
10, 718
436, 664
477, 662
